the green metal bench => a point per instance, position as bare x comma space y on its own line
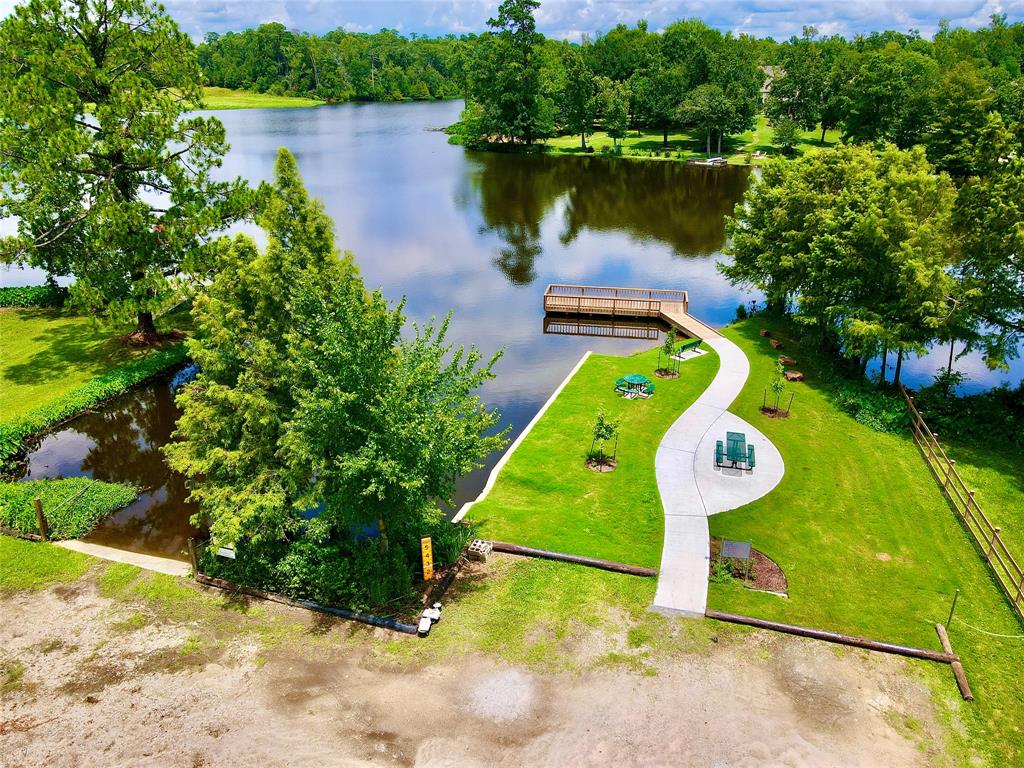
719, 454
692, 344
750, 456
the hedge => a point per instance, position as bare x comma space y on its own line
72, 507
33, 296
14, 433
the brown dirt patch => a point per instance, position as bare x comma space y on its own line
328, 699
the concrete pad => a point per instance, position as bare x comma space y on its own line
688, 430
146, 562
723, 488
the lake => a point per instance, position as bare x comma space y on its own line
478, 233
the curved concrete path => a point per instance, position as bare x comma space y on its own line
692, 487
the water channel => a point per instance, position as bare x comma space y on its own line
481, 234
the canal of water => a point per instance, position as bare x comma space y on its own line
481, 234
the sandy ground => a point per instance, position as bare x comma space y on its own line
97, 691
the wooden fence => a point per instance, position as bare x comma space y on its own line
988, 537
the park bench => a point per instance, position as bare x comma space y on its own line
692, 344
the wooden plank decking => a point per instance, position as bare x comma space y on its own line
668, 306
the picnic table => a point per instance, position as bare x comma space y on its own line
634, 385
735, 451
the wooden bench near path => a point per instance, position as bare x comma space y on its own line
669, 306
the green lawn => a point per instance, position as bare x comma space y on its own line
870, 547
998, 478
46, 353
683, 146
225, 98
27, 565
545, 496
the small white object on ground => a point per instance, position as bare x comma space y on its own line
424, 627
433, 614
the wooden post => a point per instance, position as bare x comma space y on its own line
992, 543
952, 608
41, 520
958, 668
192, 557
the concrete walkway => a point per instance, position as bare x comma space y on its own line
146, 562
692, 487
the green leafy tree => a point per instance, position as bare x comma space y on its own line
989, 218
604, 431
787, 134
657, 94
861, 239
614, 108
708, 110
889, 97
961, 105
506, 80
311, 394
108, 177
578, 99
796, 90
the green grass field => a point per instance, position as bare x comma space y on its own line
546, 497
682, 146
46, 353
225, 98
871, 547
998, 478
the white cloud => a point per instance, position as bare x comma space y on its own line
574, 18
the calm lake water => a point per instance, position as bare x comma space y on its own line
480, 234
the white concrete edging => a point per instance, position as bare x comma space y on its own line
146, 562
493, 477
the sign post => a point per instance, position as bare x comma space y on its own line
427, 551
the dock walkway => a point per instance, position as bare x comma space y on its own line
669, 306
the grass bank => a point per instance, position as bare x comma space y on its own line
871, 547
546, 497
226, 98
72, 506
54, 365
683, 146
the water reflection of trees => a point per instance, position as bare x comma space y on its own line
681, 206
127, 438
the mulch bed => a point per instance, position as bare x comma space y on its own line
666, 374
774, 413
608, 465
766, 576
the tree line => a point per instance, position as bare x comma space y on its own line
338, 66
898, 87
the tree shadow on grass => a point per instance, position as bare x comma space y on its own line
63, 347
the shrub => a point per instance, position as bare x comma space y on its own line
741, 312
33, 296
72, 507
14, 433
322, 566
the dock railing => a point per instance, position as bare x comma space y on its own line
989, 538
616, 302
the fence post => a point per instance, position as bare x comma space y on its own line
950, 469
992, 543
41, 520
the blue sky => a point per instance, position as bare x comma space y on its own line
574, 18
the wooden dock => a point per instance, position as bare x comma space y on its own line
669, 306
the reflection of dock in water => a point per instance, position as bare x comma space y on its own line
609, 329
619, 304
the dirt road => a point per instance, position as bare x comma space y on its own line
92, 682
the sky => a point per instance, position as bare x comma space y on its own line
572, 19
